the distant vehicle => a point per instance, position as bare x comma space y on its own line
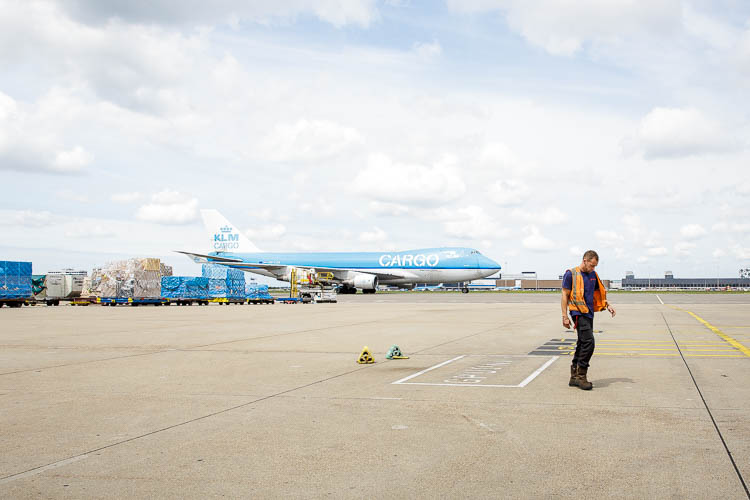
351, 270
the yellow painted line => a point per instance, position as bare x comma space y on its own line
734, 343
666, 344
596, 353
658, 341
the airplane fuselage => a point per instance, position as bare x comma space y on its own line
425, 265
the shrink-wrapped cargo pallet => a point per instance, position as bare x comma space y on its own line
217, 288
217, 271
132, 278
15, 280
184, 287
224, 282
256, 291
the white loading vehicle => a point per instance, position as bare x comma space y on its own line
310, 286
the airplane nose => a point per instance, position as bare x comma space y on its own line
491, 264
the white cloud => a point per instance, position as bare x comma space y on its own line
536, 241
125, 197
499, 156
692, 231
309, 141
339, 13
266, 232
577, 251
392, 209
657, 251
684, 248
642, 259
740, 252
718, 253
428, 50
375, 236
609, 238
169, 207
71, 161
548, 216
470, 222
84, 231
29, 141
409, 184
680, 132
506, 193
28, 218
734, 227
564, 28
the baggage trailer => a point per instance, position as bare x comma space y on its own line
13, 302
186, 302
227, 300
122, 301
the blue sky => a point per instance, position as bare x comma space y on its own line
531, 132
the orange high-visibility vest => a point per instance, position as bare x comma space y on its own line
577, 301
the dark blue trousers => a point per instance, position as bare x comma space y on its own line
585, 344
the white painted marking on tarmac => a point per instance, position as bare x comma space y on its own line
662, 302
428, 370
537, 372
399, 427
45, 468
389, 399
524, 383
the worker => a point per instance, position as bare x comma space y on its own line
583, 294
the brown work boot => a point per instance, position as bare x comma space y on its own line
581, 379
573, 376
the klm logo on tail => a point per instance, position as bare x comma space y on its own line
226, 239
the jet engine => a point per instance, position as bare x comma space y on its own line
363, 281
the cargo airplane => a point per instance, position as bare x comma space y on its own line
351, 270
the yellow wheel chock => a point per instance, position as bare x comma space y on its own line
365, 357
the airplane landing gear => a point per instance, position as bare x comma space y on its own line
464, 290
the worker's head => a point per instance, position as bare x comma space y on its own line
590, 261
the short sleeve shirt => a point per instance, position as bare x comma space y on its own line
590, 283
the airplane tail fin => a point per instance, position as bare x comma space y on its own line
225, 237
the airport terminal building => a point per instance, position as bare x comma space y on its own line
630, 282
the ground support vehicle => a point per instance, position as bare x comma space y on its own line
311, 286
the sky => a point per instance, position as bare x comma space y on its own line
531, 131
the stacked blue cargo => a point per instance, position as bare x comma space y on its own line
236, 289
184, 287
216, 271
224, 282
15, 280
217, 288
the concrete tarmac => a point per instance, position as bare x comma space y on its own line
269, 402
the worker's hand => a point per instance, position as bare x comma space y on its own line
611, 310
566, 322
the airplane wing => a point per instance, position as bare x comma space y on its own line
205, 259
